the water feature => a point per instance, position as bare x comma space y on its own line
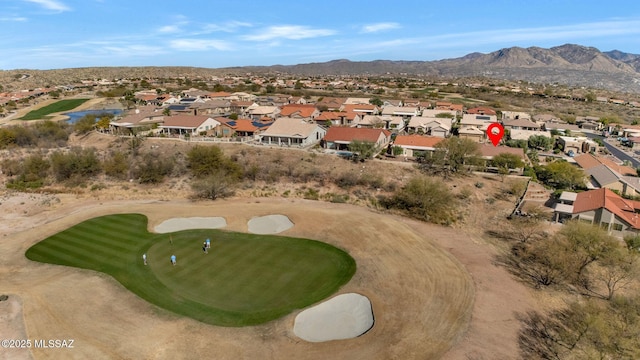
76, 115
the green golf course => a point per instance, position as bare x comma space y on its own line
58, 106
245, 279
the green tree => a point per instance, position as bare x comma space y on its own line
208, 160
376, 101
233, 116
561, 175
166, 112
116, 165
540, 142
507, 161
152, 169
427, 199
364, 149
85, 124
77, 163
452, 154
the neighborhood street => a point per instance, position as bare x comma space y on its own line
616, 151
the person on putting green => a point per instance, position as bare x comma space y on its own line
204, 248
208, 243
144, 258
173, 260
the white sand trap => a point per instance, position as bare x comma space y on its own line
178, 224
270, 224
345, 316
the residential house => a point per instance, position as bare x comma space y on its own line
360, 109
406, 112
488, 151
560, 126
357, 101
481, 110
307, 112
526, 134
212, 107
577, 144
472, 133
242, 96
338, 118
521, 124
139, 118
445, 105
392, 102
191, 125
589, 123
339, 138
292, 132
242, 107
331, 103
438, 113
416, 145
395, 123
438, 127
240, 127
515, 115
412, 102
588, 161
219, 95
259, 112
602, 207
479, 117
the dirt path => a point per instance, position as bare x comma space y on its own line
422, 296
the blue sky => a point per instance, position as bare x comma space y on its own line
49, 34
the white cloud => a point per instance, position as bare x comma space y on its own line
291, 32
12, 18
169, 29
229, 26
51, 5
199, 45
371, 28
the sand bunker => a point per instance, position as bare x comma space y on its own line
344, 317
178, 224
270, 224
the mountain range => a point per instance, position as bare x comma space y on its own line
569, 64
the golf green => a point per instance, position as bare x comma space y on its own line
245, 279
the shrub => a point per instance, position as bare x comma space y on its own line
426, 199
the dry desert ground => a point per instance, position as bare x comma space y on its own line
435, 291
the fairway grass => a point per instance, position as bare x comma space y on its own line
245, 279
58, 106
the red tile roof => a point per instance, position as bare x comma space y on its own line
302, 110
417, 140
337, 133
189, 121
482, 110
588, 161
358, 107
330, 115
607, 199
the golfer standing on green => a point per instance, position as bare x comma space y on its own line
173, 260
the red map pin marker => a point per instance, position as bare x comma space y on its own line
495, 132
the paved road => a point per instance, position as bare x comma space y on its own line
616, 151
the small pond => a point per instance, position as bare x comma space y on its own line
75, 115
